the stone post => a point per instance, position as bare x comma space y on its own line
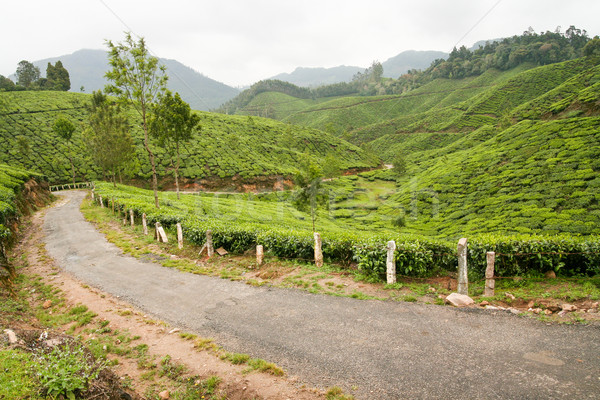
463, 279
490, 282
259, 254
161, 236
209, 244
318, 250
101, 202
391, 262
93, 196
179, 236
131, 217
144, 224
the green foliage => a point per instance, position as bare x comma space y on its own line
310, 193
27, 74
57, 77
66, 370
64, 128
16, 381
229, 146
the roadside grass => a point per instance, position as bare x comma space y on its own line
329, 279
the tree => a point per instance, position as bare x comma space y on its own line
57, 77
27, 74
310, 194
172, 123
138, 80
6, 84
399, 166
107, 138
64, 128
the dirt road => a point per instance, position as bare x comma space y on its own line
384, 350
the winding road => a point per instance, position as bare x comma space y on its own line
383, 349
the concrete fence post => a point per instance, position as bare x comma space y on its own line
210, 251
391, 262
490, 282
318, 250
101, 202
93, 195
144, 224
259, 254
161, 236
463, 279
131, 217
179, 236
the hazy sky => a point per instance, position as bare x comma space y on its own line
240, 42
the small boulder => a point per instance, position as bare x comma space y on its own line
164, 395
491, 308
553, 308
513, 310
547, 312
459, 300
569, 307
530, 304
509, 295
12, 337
484, 303
537, 310
47, 304
550, 274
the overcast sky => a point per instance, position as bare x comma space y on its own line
239, 42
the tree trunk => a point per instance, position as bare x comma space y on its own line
151, 157
177, 169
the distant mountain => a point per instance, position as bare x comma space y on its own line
410, 59
87, 67
312, 77
392, 68
482, 43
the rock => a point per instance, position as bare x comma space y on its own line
537, 310
164, 395
459, 300
513, 310
484, 303
562, 313
568, 307
221, 251
595, 305
12, 337
174, 330
547, 312
530, 304
491, 308
550, 274
432, 289
553, 308
47, 304
509, 295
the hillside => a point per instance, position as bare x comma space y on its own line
229, 151
87, 68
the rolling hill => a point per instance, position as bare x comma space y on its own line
229, 151
87, 68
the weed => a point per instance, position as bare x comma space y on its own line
336, 393
257, 364
170, 369
187, 336
236, 358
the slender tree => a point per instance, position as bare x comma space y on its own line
107, 137
64, 128
173, 122
138, 80
310, 194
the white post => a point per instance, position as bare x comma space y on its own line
209, 244
490, 282
179, 236
259, 254
131, 217
318, 250
93, 196
463, 279
101, 202
161, 236
144, 224
391, 262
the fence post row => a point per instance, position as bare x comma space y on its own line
463, 279
318, 250
490, 282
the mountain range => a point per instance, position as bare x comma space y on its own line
87, 68
392, 68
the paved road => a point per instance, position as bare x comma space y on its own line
387, 350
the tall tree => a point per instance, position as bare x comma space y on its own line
310, 193
172, 123
27, 74
139, 80
57, 77
64, 128
107, 138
